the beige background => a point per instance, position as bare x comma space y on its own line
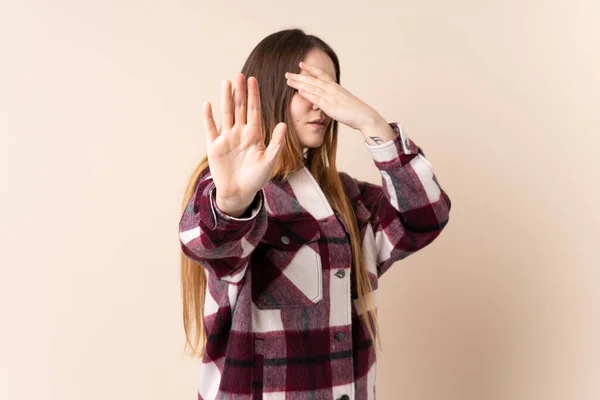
100, 127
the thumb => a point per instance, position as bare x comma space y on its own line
276, 145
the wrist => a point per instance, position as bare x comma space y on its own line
377, 131
370, 121
233, 207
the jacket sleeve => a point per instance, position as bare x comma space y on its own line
410, 209
219, 242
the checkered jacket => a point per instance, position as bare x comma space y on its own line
281, 311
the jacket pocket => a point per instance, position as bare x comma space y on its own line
286, 265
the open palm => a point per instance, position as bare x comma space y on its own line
239, 161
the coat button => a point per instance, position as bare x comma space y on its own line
285, 240
340, 273
344, 397
339, 336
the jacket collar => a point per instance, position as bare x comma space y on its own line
299, 197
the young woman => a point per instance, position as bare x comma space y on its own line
281, 252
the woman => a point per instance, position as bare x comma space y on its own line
281, 253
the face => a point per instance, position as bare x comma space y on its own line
303, 112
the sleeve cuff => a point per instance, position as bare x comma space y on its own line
219, 215
400, 147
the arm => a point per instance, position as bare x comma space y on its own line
409, 209
221, 243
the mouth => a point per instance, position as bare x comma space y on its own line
320, 123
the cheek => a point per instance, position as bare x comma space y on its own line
299, 107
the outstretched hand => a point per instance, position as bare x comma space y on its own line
239, 161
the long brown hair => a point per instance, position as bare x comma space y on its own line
268, 62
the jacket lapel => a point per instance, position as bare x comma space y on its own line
300, 196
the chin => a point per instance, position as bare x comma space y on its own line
314, 143
311, 140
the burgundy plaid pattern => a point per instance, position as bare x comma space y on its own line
281, 311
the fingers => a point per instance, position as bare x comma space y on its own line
299, 81
226, 106
233, 106
313, 89
254, 110
312, 93
209, 123
240, 99
316, 71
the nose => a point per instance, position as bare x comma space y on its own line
315, 107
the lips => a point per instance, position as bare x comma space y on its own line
319, 122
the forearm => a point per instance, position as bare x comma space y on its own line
409, 183
209, 237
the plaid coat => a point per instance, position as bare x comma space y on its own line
280, 310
